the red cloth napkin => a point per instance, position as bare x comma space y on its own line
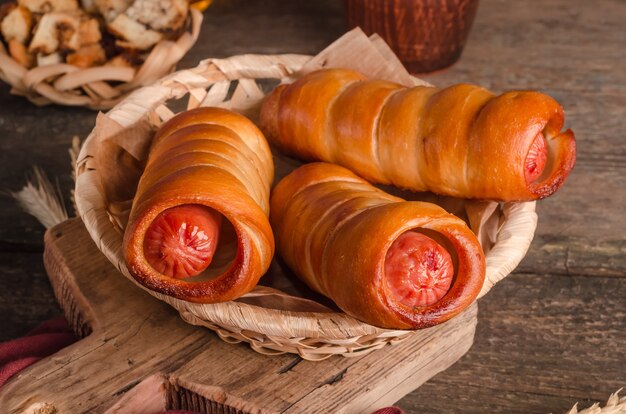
44, 340
389, 410
50, 337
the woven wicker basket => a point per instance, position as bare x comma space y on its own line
270, 319
99, 87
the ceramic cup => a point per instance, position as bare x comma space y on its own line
427, 35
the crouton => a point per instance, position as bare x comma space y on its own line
87, 56
17, 25
18, 51
89, 6
159, 15
89, 32
110, 9
56, 31
6, 8
46, 6
134, 35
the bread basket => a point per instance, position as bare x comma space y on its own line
272, 319
98, 87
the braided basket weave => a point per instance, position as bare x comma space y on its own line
270, 319
99, 87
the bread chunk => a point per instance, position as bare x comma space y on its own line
19, 53
134, 34
56, 31
46, 6
110, 9
17, 25
89, 31
160, 15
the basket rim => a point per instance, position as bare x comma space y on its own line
512, 240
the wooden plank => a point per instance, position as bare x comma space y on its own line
292, 385
443, 398
32, 136
542, 343
576, 256
131, 338
26, 298
108, 362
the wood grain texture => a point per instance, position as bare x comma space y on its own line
570, 50
131, 339
27, 297
539, 349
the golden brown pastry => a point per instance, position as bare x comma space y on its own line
462, 141
388, 262
203, 197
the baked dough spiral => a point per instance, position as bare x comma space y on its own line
207, 168
461, 141
340, 235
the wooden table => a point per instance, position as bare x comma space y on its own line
551, 334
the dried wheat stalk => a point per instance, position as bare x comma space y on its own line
42, 200
614, 405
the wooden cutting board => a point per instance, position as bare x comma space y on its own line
138, 356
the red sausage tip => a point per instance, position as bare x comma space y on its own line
418, 270
181, 241
536, 158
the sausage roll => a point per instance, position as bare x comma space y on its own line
461, 141
388, 262
199, 228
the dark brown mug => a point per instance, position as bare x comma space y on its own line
425, 34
